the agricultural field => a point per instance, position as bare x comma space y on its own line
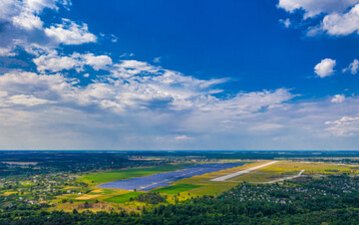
176, 189
181, 190
283, 169
97, 178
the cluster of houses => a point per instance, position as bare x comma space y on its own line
331, 186
36, 189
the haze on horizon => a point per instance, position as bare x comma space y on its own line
280, 74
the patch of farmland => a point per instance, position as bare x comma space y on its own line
113, 175
178, 188
123, 198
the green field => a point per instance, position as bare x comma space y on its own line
123, 198
113, 175
178, 188
187, 188
286, 168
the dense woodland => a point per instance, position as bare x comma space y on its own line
326, 200
59, 161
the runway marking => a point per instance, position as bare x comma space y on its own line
229, 176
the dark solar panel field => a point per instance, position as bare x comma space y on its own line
163, 179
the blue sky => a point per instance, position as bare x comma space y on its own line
272, 74
239, 39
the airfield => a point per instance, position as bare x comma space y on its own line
117, 189
164, 179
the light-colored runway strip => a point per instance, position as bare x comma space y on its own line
229, 176
285, 178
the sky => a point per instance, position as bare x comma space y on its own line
172, 75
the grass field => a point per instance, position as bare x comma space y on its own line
122, 198
8, 193
113, 175
289, 168
275, 171
175, 189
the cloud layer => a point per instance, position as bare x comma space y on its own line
91, 100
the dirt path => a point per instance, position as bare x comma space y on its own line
229, 176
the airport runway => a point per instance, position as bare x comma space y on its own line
164, 179
229, 176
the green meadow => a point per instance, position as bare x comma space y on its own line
175, 189
123, 198
97, 178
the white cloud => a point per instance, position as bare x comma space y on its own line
183, 138
325, 68
25, 13
159, 109
353, 67
248, 103
28, 89
70, 33
345, 126
3, 94
27, 21
286, 22
6, 52
338, 18
129, 68
266, 127
9, 8
145, 90
315, 7
97, 62
39, 5
127, 55
114, 38
128, 110
27, 100
342, 24
52, 62
338, 99
23, 28
151, 104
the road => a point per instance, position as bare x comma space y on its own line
229, 176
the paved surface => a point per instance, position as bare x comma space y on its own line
164, 179
229, 176
286, 178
